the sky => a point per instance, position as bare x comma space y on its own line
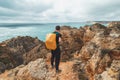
53, 11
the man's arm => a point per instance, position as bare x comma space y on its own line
60, 39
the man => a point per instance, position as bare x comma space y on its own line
56, 53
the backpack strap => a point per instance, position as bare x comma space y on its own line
56, 33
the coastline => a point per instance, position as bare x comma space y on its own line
87, 53
10, 30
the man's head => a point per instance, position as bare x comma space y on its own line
57, 28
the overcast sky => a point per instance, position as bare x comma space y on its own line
59, 10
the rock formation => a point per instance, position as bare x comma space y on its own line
17, 51
71, 42
90, 53
39, 70
28, 72
101, 53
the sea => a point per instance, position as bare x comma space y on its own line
11, 30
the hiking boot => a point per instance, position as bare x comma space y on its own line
58, 71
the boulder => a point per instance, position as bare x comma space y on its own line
112, 73
35, 70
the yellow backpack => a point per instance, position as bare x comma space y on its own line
50, 41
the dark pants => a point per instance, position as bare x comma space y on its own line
55, 57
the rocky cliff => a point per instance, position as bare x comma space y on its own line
20, 50
88, 53
101, 54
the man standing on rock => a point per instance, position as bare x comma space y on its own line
56, 53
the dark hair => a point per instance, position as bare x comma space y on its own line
57, 27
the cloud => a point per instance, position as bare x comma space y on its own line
26, 5
58, 10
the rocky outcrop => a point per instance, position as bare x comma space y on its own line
40, 70
90, 53
97, 27
71, 42
19, 50
91, 31
36, 71
112, 73
100, 53
73, 39
114, 24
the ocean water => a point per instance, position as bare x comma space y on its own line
10, 30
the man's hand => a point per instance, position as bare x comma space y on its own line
60, 39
